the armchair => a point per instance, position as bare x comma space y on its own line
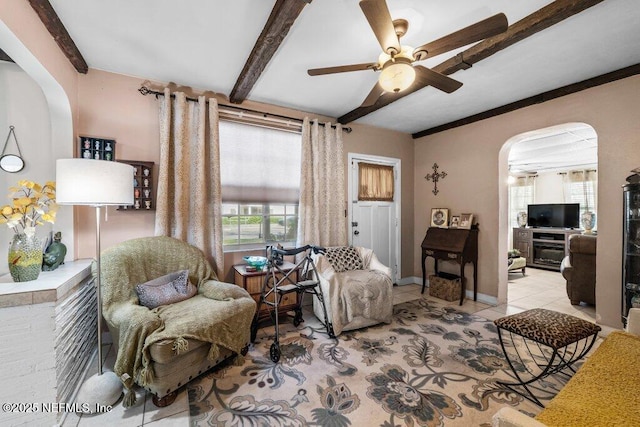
356, 287
162, 349
579, 269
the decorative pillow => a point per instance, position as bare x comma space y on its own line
344, 258
168, 289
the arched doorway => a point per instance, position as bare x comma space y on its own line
56, 132
546, 156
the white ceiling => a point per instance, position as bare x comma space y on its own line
205, 43
572, 146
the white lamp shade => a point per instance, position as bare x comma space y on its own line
93, 182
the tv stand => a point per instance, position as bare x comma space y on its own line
543, 247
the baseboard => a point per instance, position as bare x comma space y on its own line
412, 280
415, 280
485, 299
606, 330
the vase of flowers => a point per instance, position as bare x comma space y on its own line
32, 205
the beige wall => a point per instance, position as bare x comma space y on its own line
476, 163
110, 106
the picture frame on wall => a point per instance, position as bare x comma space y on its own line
455, 221
466, 220
440, 217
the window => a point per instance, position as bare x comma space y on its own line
582, 188
375, 182
260, 174
244, 224
522, 193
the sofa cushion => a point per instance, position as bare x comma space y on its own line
167, 289
344, 258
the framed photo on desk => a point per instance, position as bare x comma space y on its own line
440, 217
466, 219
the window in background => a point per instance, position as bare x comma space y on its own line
582, 188
522, 193
260, 174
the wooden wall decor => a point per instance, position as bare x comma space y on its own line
435, 177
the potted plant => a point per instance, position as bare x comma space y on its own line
32, 205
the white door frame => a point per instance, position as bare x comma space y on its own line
353, 195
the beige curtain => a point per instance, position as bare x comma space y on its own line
322, 187
189, 193
375, 182
587, 181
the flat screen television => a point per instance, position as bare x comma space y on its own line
554, 215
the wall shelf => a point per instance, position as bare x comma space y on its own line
143, 186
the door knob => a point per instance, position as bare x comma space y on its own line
356, 232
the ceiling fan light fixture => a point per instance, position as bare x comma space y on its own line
397, 76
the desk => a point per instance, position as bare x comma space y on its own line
452, 244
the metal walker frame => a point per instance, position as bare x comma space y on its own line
308, 282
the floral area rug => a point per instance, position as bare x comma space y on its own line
433, 365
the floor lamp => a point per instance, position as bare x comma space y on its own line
96, 183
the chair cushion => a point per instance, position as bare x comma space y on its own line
167, 289
344, 258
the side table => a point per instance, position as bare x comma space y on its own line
545, 342
252, 282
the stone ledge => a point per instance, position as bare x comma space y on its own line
51, 286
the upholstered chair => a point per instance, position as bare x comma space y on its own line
171, 332
356, 287
579, 269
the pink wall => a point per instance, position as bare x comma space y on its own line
475, 160
110, 106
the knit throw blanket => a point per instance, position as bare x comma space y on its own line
604, 391
209, 316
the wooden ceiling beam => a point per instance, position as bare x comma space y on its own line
536, 99
282, 17
541, 19
52, 22
5, 57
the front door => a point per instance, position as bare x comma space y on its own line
375, 224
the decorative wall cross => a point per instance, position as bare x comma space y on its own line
435, 177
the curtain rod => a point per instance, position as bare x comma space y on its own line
146, 91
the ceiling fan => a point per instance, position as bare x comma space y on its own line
395, 63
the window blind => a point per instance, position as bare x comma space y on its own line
258, 164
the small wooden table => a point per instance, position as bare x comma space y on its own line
252, 282
452, 244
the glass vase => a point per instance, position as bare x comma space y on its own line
25, 257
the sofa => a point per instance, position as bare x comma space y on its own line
603, 392
163, 348
355, 286
579, 269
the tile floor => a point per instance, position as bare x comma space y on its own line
539, 288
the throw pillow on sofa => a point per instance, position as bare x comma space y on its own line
344, 258
168, 289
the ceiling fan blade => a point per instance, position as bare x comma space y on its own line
377, 13
480, 30
342, 69
428, 77
373, 96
